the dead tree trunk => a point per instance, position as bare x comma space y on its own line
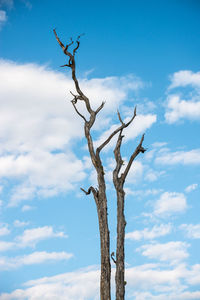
99, 193
119, 181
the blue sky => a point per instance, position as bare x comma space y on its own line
143, 53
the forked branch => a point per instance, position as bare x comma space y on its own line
124, 125
138, 149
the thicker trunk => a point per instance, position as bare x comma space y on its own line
121, 223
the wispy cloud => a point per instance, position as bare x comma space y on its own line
192, 230
191, 157
4, 246
7, 263
178, 109
18, 223
185, 78
3, 17
170, 203
4, 229
27, 208
183, 104
173, 252
150, 234
191, 187
31, 237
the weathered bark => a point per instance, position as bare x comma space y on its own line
119, 181
105, 246
121, 223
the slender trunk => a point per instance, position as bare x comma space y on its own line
105, 256
121, 223
104, 239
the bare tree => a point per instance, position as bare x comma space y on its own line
99, 193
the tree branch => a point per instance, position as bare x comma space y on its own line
58, 40
91, 189
118, 159
124, 125
75, 49
133, 156
120, 119
74, 105
100, 107
112, 256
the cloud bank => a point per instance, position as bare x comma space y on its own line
39, 128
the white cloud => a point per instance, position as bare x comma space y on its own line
32, 236
191, 157
144, 282
170, 296
150, 234
159, 144
4, 230
3, 16
139, 125
142, 193
155, 278
37, 150
4, 246
135, 172
27, 208
173, 252
7, 263
179, 109
191, 187
192, 231
41, 257
153, 175
185, 78
193, 275
18, 223
170, 203
78, 285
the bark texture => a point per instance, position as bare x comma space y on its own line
99, 193
119, 181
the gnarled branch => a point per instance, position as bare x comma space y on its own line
118, 159
91, 189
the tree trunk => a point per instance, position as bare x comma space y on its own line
121, 223
105, 254
104, 238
